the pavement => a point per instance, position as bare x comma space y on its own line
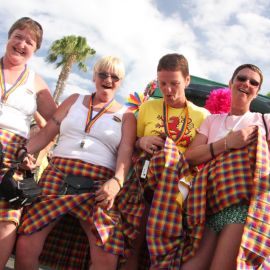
10, 265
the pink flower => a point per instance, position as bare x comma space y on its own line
219, 101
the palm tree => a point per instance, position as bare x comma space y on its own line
71, 50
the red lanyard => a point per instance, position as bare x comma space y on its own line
90, 119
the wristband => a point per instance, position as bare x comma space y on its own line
23, 155
118, 181
212, 151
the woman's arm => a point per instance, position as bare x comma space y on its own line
106, 194
126, 146
45, 103
199, 151
48, 133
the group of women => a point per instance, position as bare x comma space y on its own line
190, 217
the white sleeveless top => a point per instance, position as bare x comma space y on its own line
100, 145
17, 111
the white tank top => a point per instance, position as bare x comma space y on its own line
17, 111
100, 145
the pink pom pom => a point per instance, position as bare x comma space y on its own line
219, 101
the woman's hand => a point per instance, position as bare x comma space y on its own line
150, 144
28, 163
106, 194
240, 138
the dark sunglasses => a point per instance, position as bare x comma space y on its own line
242, 78
104, 76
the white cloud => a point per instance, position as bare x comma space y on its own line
214, 35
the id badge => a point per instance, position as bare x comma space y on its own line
145, 168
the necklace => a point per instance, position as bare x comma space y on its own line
90, 120
241, 118
20, 80
181, 133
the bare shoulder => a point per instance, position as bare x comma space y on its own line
40, 84
129, 117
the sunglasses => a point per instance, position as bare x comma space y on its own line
242, 78
104, 76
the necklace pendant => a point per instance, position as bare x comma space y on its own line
82, 143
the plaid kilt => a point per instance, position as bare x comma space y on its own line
240, 176
116, 229
164, 227
10, 142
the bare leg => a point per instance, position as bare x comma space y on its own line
203, 257
29, 248
227, 247
7, 241
100, 260
133, 261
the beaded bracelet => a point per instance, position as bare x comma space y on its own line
58, 123
225, 145
118, 181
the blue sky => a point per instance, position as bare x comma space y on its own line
215, 35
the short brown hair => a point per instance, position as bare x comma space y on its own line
250, 66
174, 62
32, 25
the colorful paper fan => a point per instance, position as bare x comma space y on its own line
134, 101
151, 87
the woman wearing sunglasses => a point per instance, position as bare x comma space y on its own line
226, 211
22, 93
84, 178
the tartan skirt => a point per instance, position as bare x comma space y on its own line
116, 229
164, 227
10, 142
241, 176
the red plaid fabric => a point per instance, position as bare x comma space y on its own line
10, 142
164, 228
116, 228
233, 178
254, 250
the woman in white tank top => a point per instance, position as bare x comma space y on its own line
96, 138
23, 93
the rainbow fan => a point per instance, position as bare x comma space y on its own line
134, 101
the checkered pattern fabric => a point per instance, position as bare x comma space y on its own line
10, 142
116, 229
232, 178
164, 228
254, 251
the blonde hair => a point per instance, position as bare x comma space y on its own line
112, 64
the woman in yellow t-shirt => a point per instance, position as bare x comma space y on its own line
165, 128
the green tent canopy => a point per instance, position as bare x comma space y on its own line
199, 89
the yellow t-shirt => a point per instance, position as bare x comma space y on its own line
151, 121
